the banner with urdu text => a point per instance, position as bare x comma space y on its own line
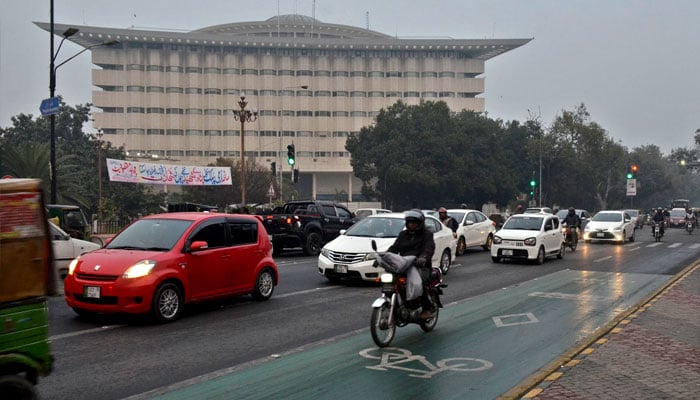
164, 174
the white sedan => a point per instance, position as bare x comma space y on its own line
528, 237
65, 249
615, 226
350, 255
475, 229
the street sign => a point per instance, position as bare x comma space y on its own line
631, 187
271, 191
49, 106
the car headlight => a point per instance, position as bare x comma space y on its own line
617, 228
72, 265
370, 256
324, 252
141, 268
530, 241
387, 278
497, 240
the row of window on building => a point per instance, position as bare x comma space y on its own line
155, 154
298, 93
215, 111
289, 72
215, 132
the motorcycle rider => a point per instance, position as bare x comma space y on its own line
573, 222
417, 241
689, 216
659, 218
448, 221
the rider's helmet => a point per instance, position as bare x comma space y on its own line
442, 212
572, 211
415, 220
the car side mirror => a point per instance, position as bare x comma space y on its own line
199, 245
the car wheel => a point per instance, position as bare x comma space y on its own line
461, 246
264, 285
562, 249
312, 247
632, 237
496, 259
167, 303
17, 387
489, 241
540, 256
445, 262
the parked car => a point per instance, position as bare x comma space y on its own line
637, 218
475, 229
65, 249
583, 214
350, 255
677, 218
162, 262
535, 210
366, 212
616, 226
529, 237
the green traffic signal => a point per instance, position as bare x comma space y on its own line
290, 155
533, 183
629, 175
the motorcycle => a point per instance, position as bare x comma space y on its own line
570, 237
400, 302
689, 226
656, 231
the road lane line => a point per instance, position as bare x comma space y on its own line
635, 249
602, 259
84, 332
654, 244
673, 246
306, 291
695, 246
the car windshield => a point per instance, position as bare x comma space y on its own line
678, 213
150, 234
607, 217
363, 213
457, 215
377, 227
524, 223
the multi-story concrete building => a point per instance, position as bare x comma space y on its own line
173, 94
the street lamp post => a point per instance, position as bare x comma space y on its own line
244, 116
99, 174
52, 93
281, 160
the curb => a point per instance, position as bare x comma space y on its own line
536, 383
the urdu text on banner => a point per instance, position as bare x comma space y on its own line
164, 174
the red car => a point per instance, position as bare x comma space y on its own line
161, 262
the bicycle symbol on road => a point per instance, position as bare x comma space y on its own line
399, 359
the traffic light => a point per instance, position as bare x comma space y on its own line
290, 155
633, 171
295, 176
273, 168
533, 183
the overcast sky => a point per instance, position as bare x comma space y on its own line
635, 64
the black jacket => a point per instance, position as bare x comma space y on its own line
572, 221
419, 244
450, 223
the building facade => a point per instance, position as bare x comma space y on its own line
172, 95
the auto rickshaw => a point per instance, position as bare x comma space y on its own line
26, 279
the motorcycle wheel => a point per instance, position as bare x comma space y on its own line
382, 332
430, 323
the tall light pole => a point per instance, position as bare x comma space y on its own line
244, 116
52, 93
99, 174
281, 160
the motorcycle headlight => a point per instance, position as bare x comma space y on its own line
141, 268
530, 241
387, 278
497, 240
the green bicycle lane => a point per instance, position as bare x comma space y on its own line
481, 347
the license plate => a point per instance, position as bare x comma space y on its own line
92, 292
341, 269
600, 234
507, 252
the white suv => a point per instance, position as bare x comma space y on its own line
528, 237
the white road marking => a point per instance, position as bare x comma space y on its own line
673, 246
602, 259
569, 296
654, 244
635, 249
517, 319
695, 245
